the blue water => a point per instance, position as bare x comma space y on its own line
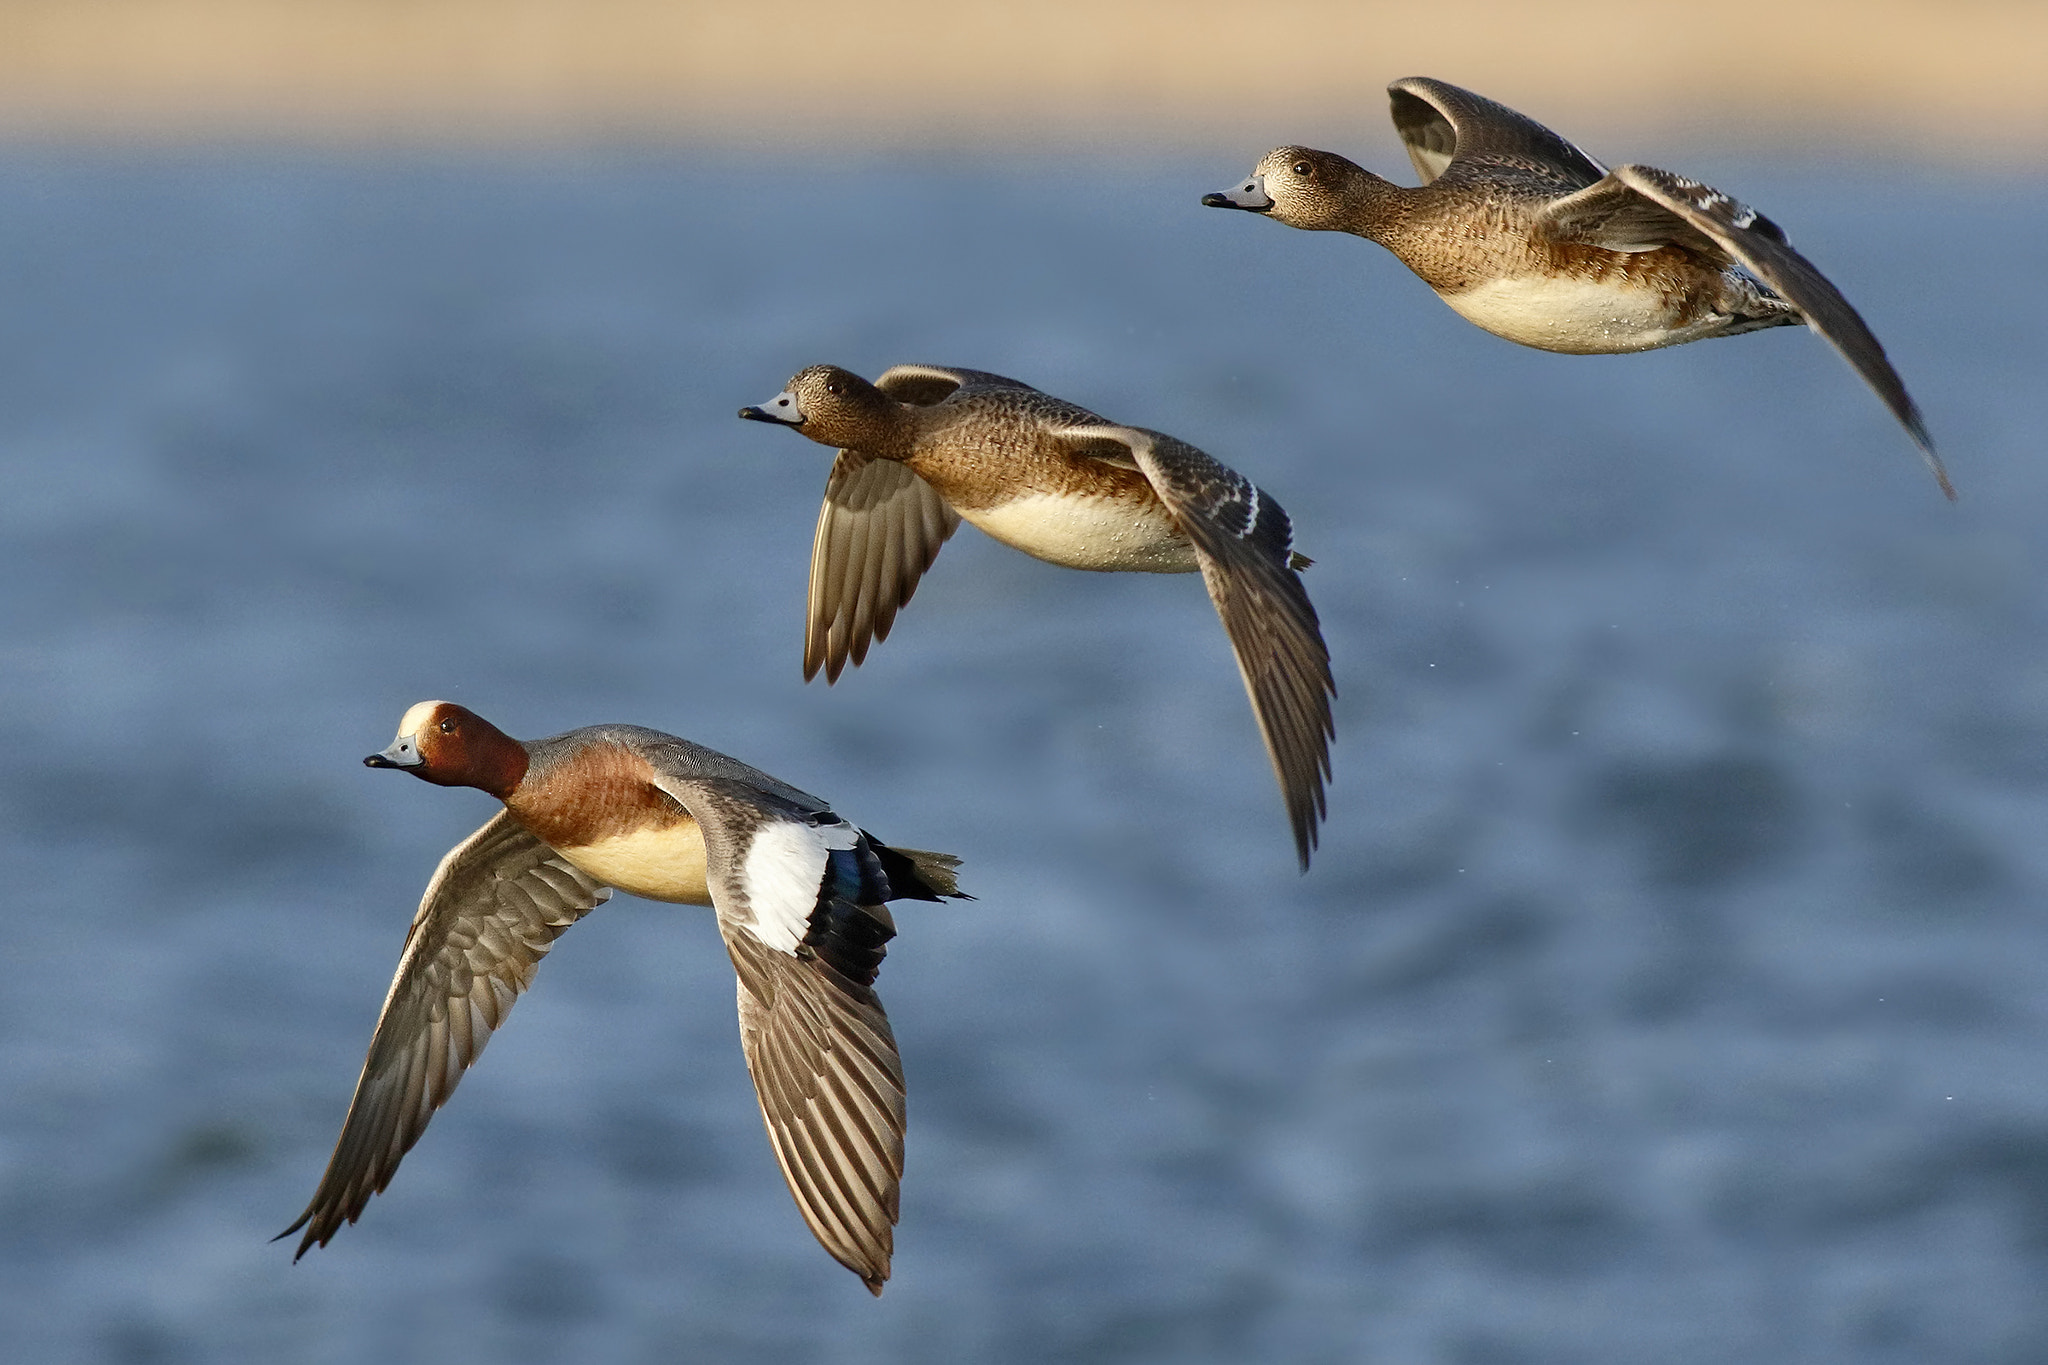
1672, 985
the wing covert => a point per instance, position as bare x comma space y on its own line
1443, 127
924, 385
1614, 215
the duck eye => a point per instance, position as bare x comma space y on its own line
448, 726
1303, 168
833, 387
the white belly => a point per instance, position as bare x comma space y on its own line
662, 865
1581, 317
1089, 533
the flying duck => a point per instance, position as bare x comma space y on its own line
800, 895
1524, 234
927, 446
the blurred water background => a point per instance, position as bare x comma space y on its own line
1669, 988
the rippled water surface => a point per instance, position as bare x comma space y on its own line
1669, 989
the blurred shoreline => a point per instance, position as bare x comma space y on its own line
1962, 82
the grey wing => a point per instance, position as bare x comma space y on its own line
798, 897
1640, 207
879, 530
1441, 124
494, 907
1245, 545
1611, 213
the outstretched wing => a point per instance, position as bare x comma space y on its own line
493, 909
879, 530
1640, 208
1244, 543
1448, 130
799, 897
830, 1086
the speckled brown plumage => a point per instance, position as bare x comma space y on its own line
1068, 486
981, 440
1525, 235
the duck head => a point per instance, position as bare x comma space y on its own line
832, 406
1300, 187
452, 746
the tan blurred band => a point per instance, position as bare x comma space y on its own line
1957, 78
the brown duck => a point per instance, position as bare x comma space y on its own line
925, 447
1528, 237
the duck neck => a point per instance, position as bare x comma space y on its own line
1374, 208
866, 420
497, 764
889, 430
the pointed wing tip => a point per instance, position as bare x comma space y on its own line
1307, 808
1918, 431
1307, 817
306, 1243
876, 1283
1306, 840
822, 656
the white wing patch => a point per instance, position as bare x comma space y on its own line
781, 874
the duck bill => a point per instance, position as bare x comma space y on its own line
404, 752
782, 410
1251, 196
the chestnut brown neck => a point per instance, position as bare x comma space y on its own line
498, 763
475, 753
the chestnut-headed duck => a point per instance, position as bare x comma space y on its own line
924, 447
800, 895
1524, 234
